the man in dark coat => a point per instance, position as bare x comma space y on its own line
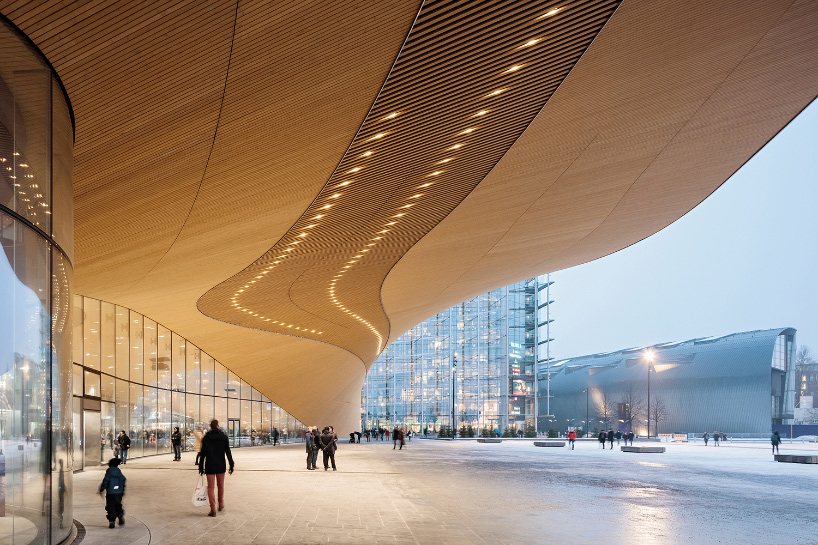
275, 436
775, 439
215, 446
327, 444
601, 439
310, 444
176, 441
610, 438
124, 443
113, 485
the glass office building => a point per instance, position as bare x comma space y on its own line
36, 230
133, 374
484, 351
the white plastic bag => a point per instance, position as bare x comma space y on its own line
200, 494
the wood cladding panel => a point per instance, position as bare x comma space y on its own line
471, 76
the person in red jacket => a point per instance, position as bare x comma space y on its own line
572, 436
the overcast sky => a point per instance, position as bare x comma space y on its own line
744, 259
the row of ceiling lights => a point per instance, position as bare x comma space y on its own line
377, 236
31, 208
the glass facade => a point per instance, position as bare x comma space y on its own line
36, 230
483, 350
133, 374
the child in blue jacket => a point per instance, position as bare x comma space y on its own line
113, 485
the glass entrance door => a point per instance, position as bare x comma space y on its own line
92, 438
233, 431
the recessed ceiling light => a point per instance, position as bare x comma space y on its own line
367, 153
427, 184
457, 146
530, 42
392, 223
356, 169
393, 115
398, 215
437, 172
549, 14
416, 196
319, 216
377, 136
326, 206
342, 184
514, 68
467, 131
303, 234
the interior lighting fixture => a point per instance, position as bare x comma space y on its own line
377, 136
530, 42
457, 146
377, 238
496, 92
24, 165
319, 216
445, 160
393, 115
367, 153
384, 231
356, 169
549, 14
392, 223
335, 196
398, 215
436, 173
303, 234
326, 206
481, 113
406, 206
514, 68
342, 184
310, 226
427, 184
289, 249
416, 196
467, 131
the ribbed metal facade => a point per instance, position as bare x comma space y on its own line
738, 383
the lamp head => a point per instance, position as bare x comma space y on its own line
649, 355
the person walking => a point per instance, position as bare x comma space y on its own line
176, 441
716, 437
215, 446
775, 439
601, 438
309, 442
328, 444
113, 486
618, 436
572, 437
610, 438
124, 443
275, 436
197, 443
630, 437
366, 435
705, 436
395, 437
386, 432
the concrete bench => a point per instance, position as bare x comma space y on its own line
796, 459
489, 440
549, 443
643, 449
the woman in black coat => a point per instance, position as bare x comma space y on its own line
215, 446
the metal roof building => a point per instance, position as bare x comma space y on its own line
737, 383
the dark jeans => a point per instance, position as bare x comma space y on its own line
113, 506
775, 448
314, 457
123, 455
329, 454
571, 441
177, 451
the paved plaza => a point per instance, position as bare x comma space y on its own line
445, 492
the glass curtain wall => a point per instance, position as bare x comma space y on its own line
482, 350
133, 374
36, 274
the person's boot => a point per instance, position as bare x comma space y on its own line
111, 524
122, 520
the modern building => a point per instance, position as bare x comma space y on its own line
290, 189
484, 350
742, 383
135, 375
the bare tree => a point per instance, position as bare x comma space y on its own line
605, 408
658, 412
633, 406
804, 360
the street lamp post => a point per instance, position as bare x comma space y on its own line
454, 371
587, 413
649, 358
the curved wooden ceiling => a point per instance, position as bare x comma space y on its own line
208, 134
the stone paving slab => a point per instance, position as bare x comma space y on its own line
549, 443
656, 450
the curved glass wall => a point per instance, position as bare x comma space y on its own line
133, 374
36, 230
